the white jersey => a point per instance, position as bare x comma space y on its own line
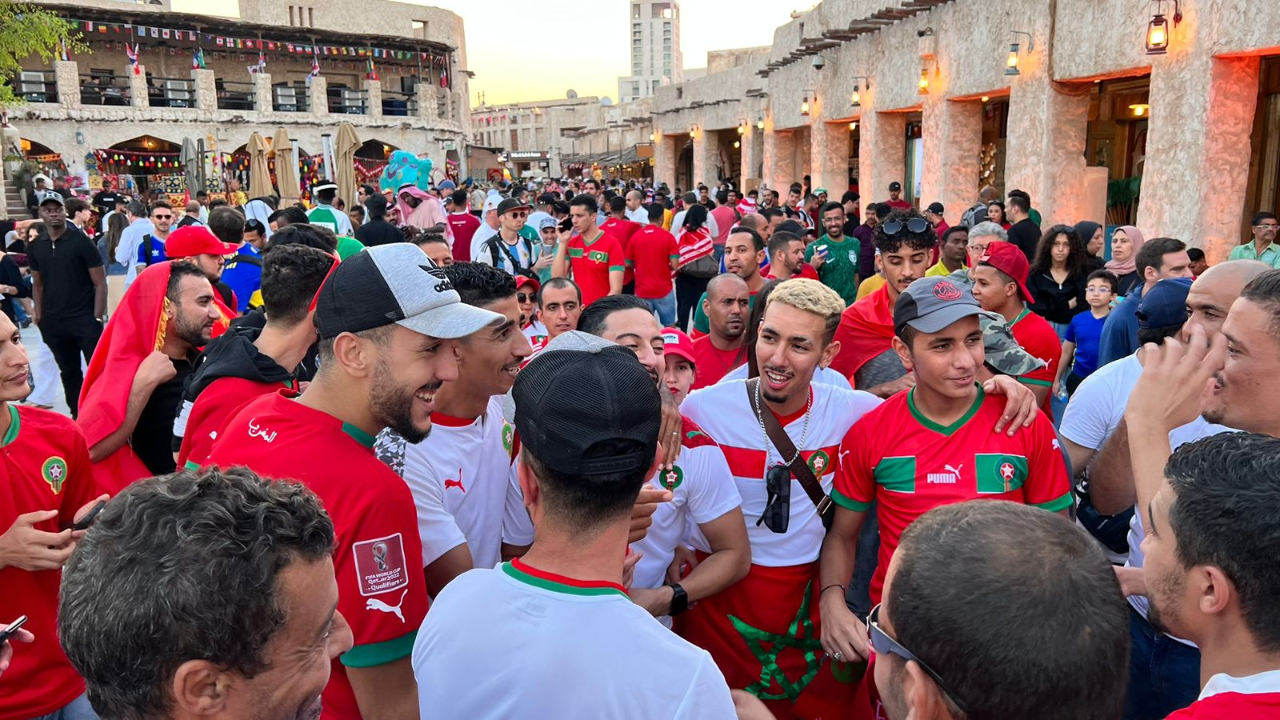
826, 376
127, 248
725, 412
482, 234
515, 642
1095, 411
702, 490
464, 486
534, 330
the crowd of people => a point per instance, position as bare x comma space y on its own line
603, 449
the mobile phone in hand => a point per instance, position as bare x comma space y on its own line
84, 522
12, 628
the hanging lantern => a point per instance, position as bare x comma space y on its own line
1158, 35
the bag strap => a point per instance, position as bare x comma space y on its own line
799, 468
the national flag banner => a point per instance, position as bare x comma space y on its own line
131, 51
165, 33
220, 42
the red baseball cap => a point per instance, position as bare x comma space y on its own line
522, 280
1008, 259
194, 240
677, 343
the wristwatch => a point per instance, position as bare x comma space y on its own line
679, 599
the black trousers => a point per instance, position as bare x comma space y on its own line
69, 339
688, 291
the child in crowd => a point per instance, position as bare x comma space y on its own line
1084, 334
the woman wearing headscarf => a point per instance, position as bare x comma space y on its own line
1094, 237
1126, 241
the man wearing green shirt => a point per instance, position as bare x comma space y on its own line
835, 256
1264, 246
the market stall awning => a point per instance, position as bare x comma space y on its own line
625, 156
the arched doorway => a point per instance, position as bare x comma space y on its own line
144, 163
684, 167
374, 149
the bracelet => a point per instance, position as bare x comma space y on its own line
829, 587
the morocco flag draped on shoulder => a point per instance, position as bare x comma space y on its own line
865, 331
136, 330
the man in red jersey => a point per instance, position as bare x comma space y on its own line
622, 230
654, 256
594, 257
727, 305
47, 483
1000, 285
249, 361
464, 225
386, 318
934, 445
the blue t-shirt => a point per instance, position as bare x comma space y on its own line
1085, 331
153, 247
243, 274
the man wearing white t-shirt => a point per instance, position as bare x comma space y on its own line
1088, 430
470, 512
704, 496
553, 633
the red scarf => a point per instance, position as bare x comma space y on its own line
865, 331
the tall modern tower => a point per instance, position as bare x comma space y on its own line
655, 49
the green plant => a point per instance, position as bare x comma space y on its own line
27, 30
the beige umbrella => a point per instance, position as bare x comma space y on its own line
345, 148
259, 173
286, 169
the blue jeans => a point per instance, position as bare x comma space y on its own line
78, 709
664, 308
1164, 674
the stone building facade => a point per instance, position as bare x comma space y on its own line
418, 103
1183, 144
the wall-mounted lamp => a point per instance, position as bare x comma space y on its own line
736, 144
985, 98
1140, 109
804, 106
856, 99
923, 85
693, 131
760, 122
853, 124
1011, 65
742, 127
652, 137
1158, 29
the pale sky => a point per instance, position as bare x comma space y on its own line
522, 50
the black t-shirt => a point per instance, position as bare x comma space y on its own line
64, 272
188, 220
1026, 235
378, 232
154, 432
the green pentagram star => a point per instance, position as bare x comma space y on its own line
771, 675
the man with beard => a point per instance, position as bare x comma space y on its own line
786, 255
744, 252
187, 319
470, 511
726, 304
249, 361
221, 597
1211, 567
387, 321
836, 256
199, 245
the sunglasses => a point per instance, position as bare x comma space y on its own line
915, 225
777, 507
885, 645
518, 213
525, 297
162, 217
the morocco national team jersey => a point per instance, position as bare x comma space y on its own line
909, 465
382, 592
515, 641
46, 467
592, 262
197, 425
726, 413
702, 490
1235, 698
464, 485
1037, 337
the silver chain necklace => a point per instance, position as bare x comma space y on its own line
804, 435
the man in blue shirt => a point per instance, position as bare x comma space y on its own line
1159, 258
243, 272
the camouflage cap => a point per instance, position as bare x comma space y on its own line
1004, 354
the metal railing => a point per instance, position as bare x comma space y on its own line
236, 95
290, 98
171, 92
37, 86
399, 104
97, 89
347, 101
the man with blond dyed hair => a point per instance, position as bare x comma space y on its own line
762, 631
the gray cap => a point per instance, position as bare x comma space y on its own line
933, 303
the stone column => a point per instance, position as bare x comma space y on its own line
263, 99
829, 157
882, 152
750, 155
138, 87
804, 141
373, 98
779, 160
664, 159
426, 101
318, 96
1197, 168
705, 148
67, 76
1047, 127
952, 140
206, 90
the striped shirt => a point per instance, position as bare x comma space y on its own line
694, 244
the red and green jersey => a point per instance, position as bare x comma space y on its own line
909, 465
45, 467
591, 263
1037, 337
377, 555
198, 426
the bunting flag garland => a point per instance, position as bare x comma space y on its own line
371, 73
131, 50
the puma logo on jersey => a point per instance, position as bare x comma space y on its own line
950, 477
455, 483
376, 604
